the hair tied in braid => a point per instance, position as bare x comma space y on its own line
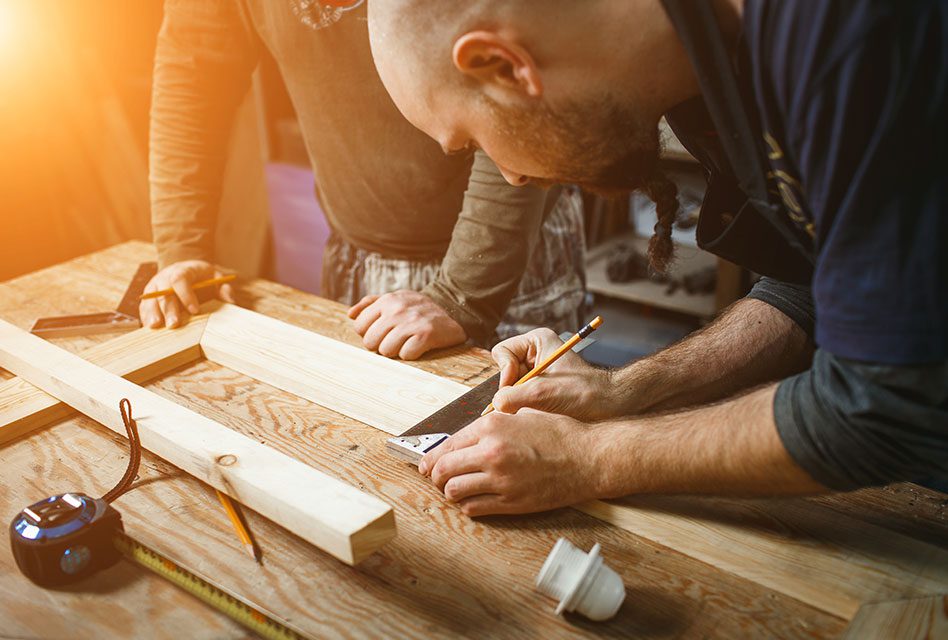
664, 193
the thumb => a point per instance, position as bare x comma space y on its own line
509, 368
529, 395
225, 291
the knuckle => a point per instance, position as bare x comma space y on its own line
490, 423
439, 472
494, 453
451, 490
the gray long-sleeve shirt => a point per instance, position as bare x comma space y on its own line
853, 424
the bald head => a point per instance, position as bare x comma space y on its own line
552, 90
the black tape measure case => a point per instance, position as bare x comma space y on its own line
65, 538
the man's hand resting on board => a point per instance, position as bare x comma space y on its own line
173, 311
404, 324
520, 463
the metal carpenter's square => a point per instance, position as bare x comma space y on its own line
124, 317
412, 445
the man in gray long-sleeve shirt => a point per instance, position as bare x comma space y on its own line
823, 133
430, 250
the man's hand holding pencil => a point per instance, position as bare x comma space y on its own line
170, 297
570, 387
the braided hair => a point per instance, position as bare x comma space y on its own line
664, 193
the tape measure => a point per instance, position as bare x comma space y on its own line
235, 609
71, 536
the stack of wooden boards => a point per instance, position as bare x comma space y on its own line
832, 564
322, 510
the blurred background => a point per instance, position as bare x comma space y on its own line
74, 94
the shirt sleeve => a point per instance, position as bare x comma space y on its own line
496, 231
793, 300
851, 424
205, 55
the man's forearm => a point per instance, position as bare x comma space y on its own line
203, 64
490, 249
749, 344
730, 448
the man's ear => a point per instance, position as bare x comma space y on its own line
494, 59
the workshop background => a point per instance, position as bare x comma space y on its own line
75, 81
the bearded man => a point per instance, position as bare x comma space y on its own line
823, 131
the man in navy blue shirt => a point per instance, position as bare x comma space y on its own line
823, 128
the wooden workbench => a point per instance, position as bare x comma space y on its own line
445, 575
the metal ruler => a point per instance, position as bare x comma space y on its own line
124, 317
242, 612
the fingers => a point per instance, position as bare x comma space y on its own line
485, 505
466, 437
456, 463
464, 486
393, 341
226, 293
521, 353
539, 393
172, 311
186, 296
367, 317
375, 334
148, 310
358, 307
414, 348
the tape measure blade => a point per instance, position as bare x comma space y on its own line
265, 623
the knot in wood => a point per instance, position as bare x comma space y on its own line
227, 460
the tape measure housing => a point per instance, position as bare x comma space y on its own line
65, 538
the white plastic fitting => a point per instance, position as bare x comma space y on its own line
582, 583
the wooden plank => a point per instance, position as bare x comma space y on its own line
327, 512
380, 392
797, 548
918, 619
138, 356
445, 576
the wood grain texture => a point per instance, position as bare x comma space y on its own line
803, 550
137, 356
373, 389
918, 619
904, 507
447, 575
328, 513
444, 576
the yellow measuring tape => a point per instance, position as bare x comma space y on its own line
233, 608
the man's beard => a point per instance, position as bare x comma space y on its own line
595, 145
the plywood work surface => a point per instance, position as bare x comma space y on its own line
443, 576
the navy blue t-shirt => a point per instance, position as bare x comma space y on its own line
852, 101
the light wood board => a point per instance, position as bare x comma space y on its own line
830, 561
378, 391
918, 619
825, 567
327, 512
138, 356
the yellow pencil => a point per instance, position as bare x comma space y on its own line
566, 346
197, 285
237, 519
